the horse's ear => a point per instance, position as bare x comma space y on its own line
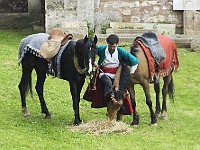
95, 39
85, 39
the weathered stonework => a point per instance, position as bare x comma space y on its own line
102, 12
191, 22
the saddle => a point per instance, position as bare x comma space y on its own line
150, 40
54, 65
167, 65
51, 47
60, 36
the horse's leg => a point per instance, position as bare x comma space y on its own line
41, 76
23, 85
131, 90
167, 80
75, 89
146, 89
120, 113
157, 91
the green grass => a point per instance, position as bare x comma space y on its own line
179, 132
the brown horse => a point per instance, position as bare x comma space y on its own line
145, 73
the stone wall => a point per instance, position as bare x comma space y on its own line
13, 6
21, 13
139, 11
101, 12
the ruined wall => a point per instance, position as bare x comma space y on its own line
16, 6
101, 12
138, 11
21, 13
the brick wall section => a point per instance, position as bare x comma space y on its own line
138, 11
101, 12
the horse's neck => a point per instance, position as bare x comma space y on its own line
80, 59
142, 69
141, 55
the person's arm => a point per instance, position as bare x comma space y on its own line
101, 53
127, 57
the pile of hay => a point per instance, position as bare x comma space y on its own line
103, 127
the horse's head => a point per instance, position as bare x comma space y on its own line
90, 53
113, 105
85, 51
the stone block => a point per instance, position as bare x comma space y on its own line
165, 29
195, 45
78, 29
128, 31
15, 20
124, 39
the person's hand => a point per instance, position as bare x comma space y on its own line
96, 64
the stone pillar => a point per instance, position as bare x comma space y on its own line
85, 11
34, 10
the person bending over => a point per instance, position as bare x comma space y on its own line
110, 57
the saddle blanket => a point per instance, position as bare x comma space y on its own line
150, 40
168, 64
31, 43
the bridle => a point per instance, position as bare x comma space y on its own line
78, 68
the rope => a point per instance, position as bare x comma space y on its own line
78, 68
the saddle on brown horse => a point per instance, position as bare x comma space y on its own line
169, 63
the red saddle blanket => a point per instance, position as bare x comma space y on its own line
98, 101
168, 64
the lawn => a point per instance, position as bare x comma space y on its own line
180, 132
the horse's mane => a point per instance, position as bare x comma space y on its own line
124, 80
78, 47
134, 48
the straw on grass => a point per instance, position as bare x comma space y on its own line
104, 126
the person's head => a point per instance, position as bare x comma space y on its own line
112, 41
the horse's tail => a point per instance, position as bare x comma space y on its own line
29, 88
171, 89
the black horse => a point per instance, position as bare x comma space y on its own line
76, 62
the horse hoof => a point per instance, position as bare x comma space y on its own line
47, 117
154, 124
28, 116
164, 117
157, 115
135, 126
77, 123
119, 117
26, 113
